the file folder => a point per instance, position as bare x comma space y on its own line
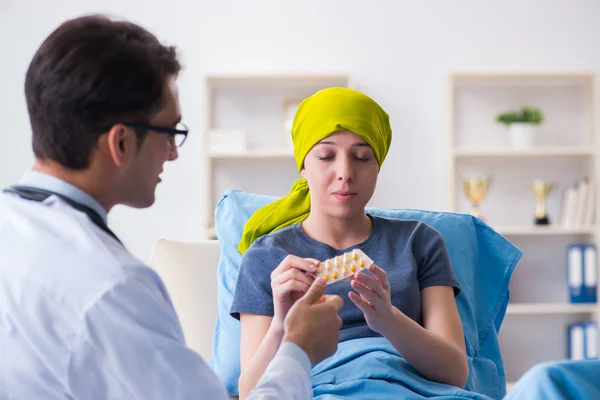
576, 342
591, 340
590, 273
575, 273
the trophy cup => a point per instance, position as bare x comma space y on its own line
541, 189
476, 189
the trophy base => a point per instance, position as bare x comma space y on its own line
542, 221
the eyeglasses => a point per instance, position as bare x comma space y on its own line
176, 135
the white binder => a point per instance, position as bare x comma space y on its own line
576, 342
591, 340
575, 273
590, 273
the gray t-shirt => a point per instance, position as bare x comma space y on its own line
413, 254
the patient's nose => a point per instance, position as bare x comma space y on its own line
344, 169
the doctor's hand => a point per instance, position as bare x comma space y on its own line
289, 282
313, 323
374, 298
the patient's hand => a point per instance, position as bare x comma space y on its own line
313, 323
375, 299
289, 283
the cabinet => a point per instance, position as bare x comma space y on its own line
564, 151
247, 135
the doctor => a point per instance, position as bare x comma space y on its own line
80, 317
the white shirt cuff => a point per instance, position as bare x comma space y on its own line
294, 351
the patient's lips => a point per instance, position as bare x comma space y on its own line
344, 195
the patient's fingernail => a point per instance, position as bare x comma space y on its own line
320, 281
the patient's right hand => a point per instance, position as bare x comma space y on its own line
313, 323
289, 283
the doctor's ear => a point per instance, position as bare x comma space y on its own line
122, 144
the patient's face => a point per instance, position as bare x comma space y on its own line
341, 171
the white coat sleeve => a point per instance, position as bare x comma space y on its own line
286, 377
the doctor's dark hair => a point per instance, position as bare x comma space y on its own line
89, 74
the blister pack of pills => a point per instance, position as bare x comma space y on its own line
341, 267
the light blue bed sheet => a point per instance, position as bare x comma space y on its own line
573, 380
370, 368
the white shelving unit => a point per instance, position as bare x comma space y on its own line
261, 153
255, 105
547, 151
550, 308
566, 150
523, 230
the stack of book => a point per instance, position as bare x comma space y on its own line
578, 205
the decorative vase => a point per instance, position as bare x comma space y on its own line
522, 135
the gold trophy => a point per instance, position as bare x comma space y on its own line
541, 189
476, 190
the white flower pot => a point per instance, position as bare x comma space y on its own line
522, 135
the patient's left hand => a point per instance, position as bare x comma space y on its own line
375, 299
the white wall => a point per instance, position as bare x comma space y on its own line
400, 52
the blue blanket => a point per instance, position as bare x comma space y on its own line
371, 368
576, 380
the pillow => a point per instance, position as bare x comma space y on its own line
483, 261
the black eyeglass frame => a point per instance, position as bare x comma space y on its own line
158, 129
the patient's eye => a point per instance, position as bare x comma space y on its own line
326, 156
363, 156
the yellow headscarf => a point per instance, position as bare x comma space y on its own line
318, 116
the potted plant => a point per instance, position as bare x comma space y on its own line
522, 125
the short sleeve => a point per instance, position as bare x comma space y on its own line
131, 346
253, 294
434, 264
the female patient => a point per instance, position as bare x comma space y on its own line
341, 138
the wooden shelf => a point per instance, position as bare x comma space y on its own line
541, 230
533, 152
253, 154
520, 76
550, 308
261, 80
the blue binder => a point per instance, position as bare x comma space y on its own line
590, 343
576, 341
582, 341
590, 273
574, 262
